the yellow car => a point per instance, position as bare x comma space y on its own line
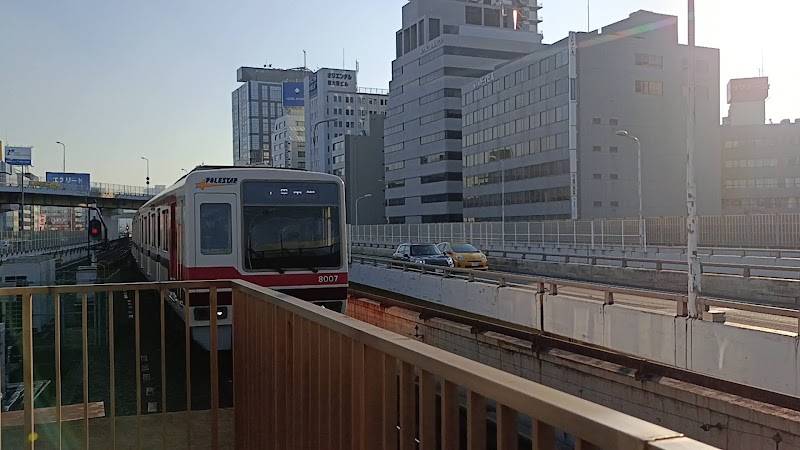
465, 256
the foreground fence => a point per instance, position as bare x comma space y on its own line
750, 231
302, 377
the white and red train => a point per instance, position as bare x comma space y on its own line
279, 228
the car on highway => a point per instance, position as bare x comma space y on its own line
465, 256
422, 254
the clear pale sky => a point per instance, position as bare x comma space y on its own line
119, 80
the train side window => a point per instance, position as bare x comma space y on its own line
165, 230
159, 228
215, 229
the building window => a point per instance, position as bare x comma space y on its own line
597, 176
596, 148
614, 176
474, 15
613, 122
613, 149
653, 61
439, 177
597, 121
434, 28
615, 204
396, 202
395, 184
598, 204
491, 17
395, 166
649, 87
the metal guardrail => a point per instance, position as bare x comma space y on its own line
300, 373
21, 244
780, 231
551, 286
625, 261
95, 190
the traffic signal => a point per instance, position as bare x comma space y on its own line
95, 228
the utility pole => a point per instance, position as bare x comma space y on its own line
694, 282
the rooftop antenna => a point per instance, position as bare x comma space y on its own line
588, 16
305, 65
356, 66
343, 64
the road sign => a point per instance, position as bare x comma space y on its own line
79, 182
18, 156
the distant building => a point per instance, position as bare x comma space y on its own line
255, 107
760, 162
549, 121
289, 140
358, 160
336, 106
443, 45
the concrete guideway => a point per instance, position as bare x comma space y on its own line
765, 359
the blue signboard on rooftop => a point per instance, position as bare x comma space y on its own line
79, 182
293, 94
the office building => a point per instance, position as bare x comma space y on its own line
443, 45
336, 106
540, 133
256, 105
760, 162
289, 140
358, 160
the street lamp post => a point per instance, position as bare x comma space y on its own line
355, 218
314, 133
642, 224
502, 199
64, 160
147, 180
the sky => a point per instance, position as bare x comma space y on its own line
116, 81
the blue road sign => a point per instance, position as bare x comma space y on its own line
293, 94
18, 156
70, 181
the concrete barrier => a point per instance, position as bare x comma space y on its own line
649, 334
767, 360
520, 306
574, 318
760, 358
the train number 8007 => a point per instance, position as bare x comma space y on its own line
329, 278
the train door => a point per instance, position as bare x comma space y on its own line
216, 243
173, 244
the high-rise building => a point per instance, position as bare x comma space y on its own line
289, 140
256, 105
336, 106
760, 161
358, 160
540, 133
443, 45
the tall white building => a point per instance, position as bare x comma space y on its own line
336, 106
442, 46
289, 140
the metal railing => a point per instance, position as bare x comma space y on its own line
303, 377
780, 231
27, 242
706, 267
551, 286
96, 189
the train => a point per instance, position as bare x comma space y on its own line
284, 229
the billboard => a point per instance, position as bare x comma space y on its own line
18, 156
748, 90
70, 181
293, 94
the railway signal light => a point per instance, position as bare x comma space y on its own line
95, 228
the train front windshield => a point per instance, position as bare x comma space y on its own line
291, 225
